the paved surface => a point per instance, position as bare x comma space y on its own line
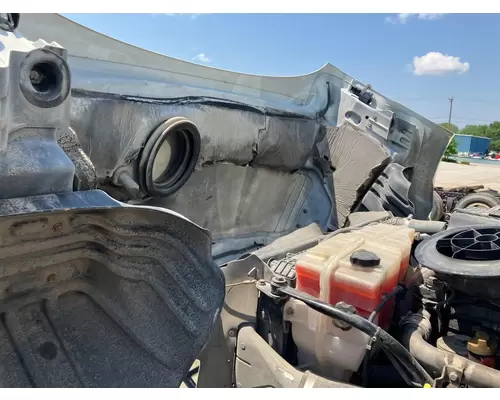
453, 175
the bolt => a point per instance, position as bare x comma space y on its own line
231, 333
453, 376
305, 210
261, 282
243, 347
290, 311
57, 228
278, 281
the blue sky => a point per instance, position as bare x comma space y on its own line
378, 49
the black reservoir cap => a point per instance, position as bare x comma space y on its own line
365, 258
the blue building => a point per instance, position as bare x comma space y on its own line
472, 144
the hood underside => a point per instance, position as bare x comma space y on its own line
276, 153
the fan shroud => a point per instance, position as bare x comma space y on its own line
466, 258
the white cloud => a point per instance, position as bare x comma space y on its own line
202, 58
404, 17
430, 16
191, 16
434, 63
399, 19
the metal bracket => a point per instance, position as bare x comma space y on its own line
271, 289
452, 375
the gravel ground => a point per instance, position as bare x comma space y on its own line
453, 175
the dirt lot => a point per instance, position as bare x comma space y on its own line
453, 175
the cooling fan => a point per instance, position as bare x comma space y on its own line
473, 244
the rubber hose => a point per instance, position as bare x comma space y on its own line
422, 226
387, 342
417, 328
355, 227
427, 226
297, 248
372, 316
398, 289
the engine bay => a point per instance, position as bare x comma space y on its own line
149, 227
434, 293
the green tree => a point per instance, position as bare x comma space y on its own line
493, 130
474, 130
495, 145
451, 150
450, 127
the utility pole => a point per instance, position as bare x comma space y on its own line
451, 108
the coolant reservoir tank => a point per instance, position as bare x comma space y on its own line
358, 268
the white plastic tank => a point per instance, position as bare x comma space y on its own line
359, 268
